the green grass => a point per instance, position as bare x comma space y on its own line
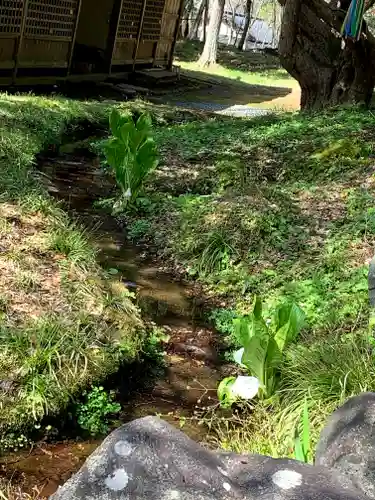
284, 207
247, 67
64, 325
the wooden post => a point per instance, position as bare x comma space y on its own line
113, 32
173, 46
20, 40
139, 34
74, 36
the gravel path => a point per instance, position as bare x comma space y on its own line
236, 110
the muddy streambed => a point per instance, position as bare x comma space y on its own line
192, 368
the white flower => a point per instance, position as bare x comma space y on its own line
238, 355
128, 193
245, 387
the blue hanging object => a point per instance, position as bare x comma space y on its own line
352, 26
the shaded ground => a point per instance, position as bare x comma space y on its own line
224, 92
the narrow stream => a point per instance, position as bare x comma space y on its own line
192, 366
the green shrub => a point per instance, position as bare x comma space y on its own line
263, 349
138, 229
131, 153
50, 360
223, 320
93, 414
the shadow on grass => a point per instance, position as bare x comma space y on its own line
225, 92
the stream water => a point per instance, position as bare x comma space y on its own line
192, 368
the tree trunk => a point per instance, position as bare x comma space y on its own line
185, 25
311, 50
197, 21
209, 53
205, 19
242, 42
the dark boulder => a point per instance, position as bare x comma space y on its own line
148, 459
347, 443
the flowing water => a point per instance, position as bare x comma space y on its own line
192, 368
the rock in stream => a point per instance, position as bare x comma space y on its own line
149, 459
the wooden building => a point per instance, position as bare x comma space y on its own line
50, 40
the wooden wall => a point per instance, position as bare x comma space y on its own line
168, 31
146, 32
40, 34
10, 19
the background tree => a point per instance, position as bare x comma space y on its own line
311, 50
242, 42
193, 35
209, 53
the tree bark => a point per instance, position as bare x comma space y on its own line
205, 19
242, 42
209, 53
193, 35
185, 25
311, 50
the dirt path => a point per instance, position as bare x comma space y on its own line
192, 368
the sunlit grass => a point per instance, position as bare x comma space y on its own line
268, 77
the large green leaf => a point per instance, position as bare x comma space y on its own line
255, 355
147, 155
243, 329
290, 313
144, 123
126, 133
224, 392
257, 308
274, 354
297, 320
290, 322
281, 337
117, 120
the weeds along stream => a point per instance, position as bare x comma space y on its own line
175, 379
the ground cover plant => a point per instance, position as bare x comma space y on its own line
281, 207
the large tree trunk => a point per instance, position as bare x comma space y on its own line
242, 42
311, 50
209, 53
185, 24
193, 35
205, 19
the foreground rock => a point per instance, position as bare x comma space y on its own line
150, 460
347, 443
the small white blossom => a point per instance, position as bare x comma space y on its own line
237, 356
128, 193
245, 387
